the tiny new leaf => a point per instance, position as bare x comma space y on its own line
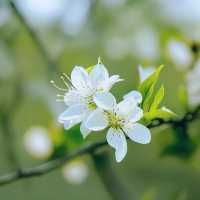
152, 98
145, 86
158, 98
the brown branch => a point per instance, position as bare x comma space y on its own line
51, 64
91, 148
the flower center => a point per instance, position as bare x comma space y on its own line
114, 121
90, 103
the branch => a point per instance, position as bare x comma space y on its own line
88, 149
51, 64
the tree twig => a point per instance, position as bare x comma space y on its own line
51, 64
54, 164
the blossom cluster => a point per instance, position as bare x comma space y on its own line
90, 103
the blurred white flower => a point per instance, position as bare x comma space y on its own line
75, 16
75, 172
193, 85
121, 119
145, 72
42, 12
80, 92
146, 44
37, 143
182, 12
179, 54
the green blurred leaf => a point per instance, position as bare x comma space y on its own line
73, 137
149, 99
149, 195
158, 98
150, 82
162, 113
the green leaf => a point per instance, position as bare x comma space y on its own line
148, 83
149, 99
73, 137
163, 113
158, 98
149, 195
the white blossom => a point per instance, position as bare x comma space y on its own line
37, 143
179, 54
193, 85
121, 119
80, 92
75, 172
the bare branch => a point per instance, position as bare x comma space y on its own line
51, 64
91, 148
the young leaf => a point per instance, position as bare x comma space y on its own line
149, 99
158, 98
163, 113
151, 80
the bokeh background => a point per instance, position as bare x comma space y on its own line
125, 33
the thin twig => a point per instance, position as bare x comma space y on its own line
54, 164
51, 64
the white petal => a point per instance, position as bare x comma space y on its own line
136, 114
117, 140
135, 95
84, 130
72, 97
96, 121
73, 112
70, 123
139, 133
79, 78
108, 84
98, 74
126, 107
105, 100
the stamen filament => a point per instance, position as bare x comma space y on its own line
57, 87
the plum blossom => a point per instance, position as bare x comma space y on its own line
80, 92
180, 54
75, 172
38, 143
121, 120
193, 85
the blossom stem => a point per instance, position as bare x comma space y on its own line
109, 179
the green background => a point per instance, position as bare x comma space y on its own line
144, 171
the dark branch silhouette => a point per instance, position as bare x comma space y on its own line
47, 167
